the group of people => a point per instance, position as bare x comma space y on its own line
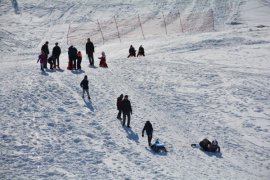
124, 107
132, 51
53, 60
75, 56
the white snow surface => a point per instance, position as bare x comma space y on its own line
211, 84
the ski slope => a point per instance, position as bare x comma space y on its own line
191, 85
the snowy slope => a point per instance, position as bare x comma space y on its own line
193, 85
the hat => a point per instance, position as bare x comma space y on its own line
56, 43
126, 96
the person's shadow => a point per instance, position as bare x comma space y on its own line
77, 71
211, 154
89, 105
131, 135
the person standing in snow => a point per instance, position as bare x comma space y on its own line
72, 54
42, 59
118, 104
102, 62
45, 49
79, 60
132, 52
149, 131
85, 87
127, 110
141, 51
56, 54
90, 49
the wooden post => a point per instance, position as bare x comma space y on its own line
141, 26
213, 18
164, 23
180, 21
101, 32
68, 33
117, 29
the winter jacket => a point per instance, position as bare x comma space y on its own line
141, 51
132, 51
102, 62
72, 52
126, 106
45, 49
148, 128
79, 56
119, 102
42, 58
89, 47
56, 51
84, 84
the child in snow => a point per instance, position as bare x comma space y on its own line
102, 62
118, 104
42, 58
158, 147
79, 60
206, 145
85, 87
149, 131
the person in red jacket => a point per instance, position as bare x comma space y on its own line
79, 60
118, 104
102, 62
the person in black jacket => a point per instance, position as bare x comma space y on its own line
85, 87
118, 104
132, 52
141, 51
45, 49
72, 54
149, 131
56, 53
127, 110
90, 49
206, 145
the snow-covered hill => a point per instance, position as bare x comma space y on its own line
190, 85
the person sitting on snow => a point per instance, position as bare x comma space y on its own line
158, 147
132, 52
102, 62
206, 145
141, 51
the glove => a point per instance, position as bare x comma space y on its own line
142, 135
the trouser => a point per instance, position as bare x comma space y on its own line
42, 66
79, 63
124, 118
119, 114
149, 139
45, 64
87, 92
56, 61
91, 59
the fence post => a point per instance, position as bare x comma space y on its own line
117, 28
164, 23
213, 18
100, 31
141, 26
180, 21
68, 33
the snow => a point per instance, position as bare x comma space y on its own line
201, 83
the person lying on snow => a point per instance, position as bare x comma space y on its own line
206, 145
102, 62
